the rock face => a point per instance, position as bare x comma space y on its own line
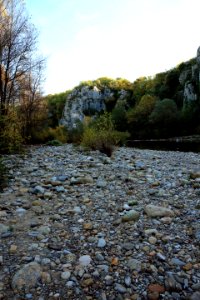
80, 102
86, 100
190, 79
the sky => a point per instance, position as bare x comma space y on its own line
87, 39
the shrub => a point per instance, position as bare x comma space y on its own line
119, 117
75, 135
97, 140
10, 133
48, 134
100, 135
3, 175
59, 133
54, 143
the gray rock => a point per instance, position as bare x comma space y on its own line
127, 280
120, 288
197, 235
161, 256
101, 183
101, 243
65, 275
171, 284
44, 230
196, 286
131, 215
177, 262
139, 165
128, 246
62, 178
195, 296
108, 280
158, 211
38, 190
20, 211
85, 260
134, 264
27, 277
79, 101
4, 228
60, 189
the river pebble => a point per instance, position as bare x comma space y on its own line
75, 224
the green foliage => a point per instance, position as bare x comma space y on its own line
141, 86
101, 135
41, 136
48, 134
55, 106
165, 118
10, 133
3, 175
140, 113
119, 117
59, 133
54, 143
75, 134
165, 113
103, 123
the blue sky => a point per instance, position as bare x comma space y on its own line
87, 39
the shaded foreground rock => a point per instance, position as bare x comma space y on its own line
27, 277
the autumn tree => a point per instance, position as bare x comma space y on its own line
18, 41
20, 66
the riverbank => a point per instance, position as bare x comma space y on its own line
79, 225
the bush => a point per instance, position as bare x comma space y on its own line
54, 143
48, 134
100, 135
59, 133
10, 133
75, 135
3, 175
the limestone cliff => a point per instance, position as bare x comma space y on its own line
190, 79
180, 84
87, 100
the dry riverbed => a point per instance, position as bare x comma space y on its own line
79, 225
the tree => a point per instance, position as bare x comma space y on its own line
55, 105
20, 72
18, 61
141, 112
119, 116
165, 117
165, 112
32, 107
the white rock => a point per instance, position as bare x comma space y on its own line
158, 211
85, 260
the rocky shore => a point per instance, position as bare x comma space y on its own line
79, 225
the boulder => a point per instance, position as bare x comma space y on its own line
27, 277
